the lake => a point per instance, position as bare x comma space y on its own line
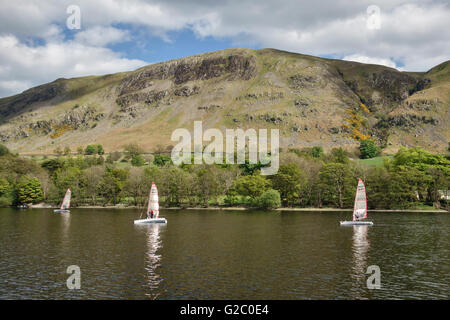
212, 254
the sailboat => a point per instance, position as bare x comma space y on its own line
360, 208
65, 205
152, 208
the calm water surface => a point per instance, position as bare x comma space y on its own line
222, 255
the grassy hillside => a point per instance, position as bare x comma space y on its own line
312, 101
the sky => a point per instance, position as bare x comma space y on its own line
41, 40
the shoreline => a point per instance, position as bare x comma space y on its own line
45, 206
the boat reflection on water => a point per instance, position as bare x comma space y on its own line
65, 222
360, 248
153, 258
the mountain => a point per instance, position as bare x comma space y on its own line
312, 101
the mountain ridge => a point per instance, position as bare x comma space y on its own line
312, 100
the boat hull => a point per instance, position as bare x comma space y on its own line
356, 223
61, 211
148, 221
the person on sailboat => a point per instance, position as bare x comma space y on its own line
151, 214
359, 214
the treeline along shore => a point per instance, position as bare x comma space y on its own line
307, 178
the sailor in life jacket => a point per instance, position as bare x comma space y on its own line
359, 214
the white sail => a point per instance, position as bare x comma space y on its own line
360, 208
153, 207
66, 201
153, 201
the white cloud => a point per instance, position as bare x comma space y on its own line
414, 33
14, 86
370, 60
99, 36
22, 65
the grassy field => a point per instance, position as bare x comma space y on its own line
376, 162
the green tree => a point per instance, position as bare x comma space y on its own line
80, 150
338, 155
420, 159
394, 189
46, 182
5, 187
161, 160
288, 181
92, 179
251, 168
132, 150
337, 184
251, 186
90, 149
6, 197
368, 149
13, 167
113, 183
68, 177
100, 149
3, 150
438, 180
317, 151
270, 199
53, 164
137, 161
137, 186
408, 185
207, 183
434, 171
29, 190
174, 183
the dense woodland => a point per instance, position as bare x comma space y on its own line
412, 178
